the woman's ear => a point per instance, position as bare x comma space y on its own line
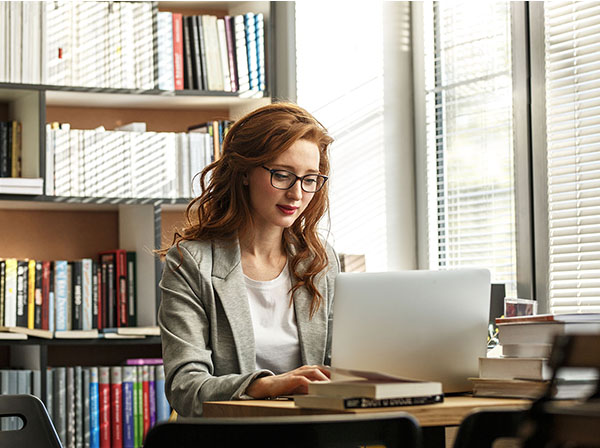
245, 179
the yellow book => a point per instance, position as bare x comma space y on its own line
31, 295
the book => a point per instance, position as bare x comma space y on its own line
78, 374
521, 388
60, 295
70, 389
138, 409
21, 185
188, 74
31, 292
529, 368
77, 334
128, 414
10, 300
22, 292
342, 403
38, 333
165, 51
138, 331
49, 402
163, 409
196, 57
77, 304
86, 293
145, 400
152, 395
178, 52
2, 289
570, 317
104, 406
116, 382
4, 335
526, 350
542, 332
375, 389
94, 409
60, 403
85, 386
45, 295
143, 361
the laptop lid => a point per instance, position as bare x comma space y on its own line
427, 325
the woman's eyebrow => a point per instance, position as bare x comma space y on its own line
293, 169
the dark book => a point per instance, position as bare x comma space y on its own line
70, 386
38, 296
9, 144
188, 73
202, 53
77, 304
341, 403
195, 52
46, 287
122, 308
4, 166
95, 293
103, 295
131, 289
22, 290
117, 282
111, 288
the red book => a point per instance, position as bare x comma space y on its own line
146, 399
116, 304
117, 407
45, 294
104, 402
178, 50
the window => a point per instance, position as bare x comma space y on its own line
469, 137
572, 97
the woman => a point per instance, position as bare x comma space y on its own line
247, 288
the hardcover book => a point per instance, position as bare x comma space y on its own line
341, 403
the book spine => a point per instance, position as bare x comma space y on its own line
138, 407
223, 55
121, 265
260, 50
70, 295
60, 294
4, 149
95, 294
94, 409
203, 53
49, 401
145, 402
151, 396
86, 293
31, 294
166, 51
192, 24
128, 412
241, 53
163, 410
117, 407
76, 313
357, 403
231, 57
60, 403
85, 383
70, 385
250, 28
10, 301
104, 402
188, 74
51, 303
45, 295
78, 407
178, 52
22, 289
131, 289
36, 383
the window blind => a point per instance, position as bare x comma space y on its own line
572, 64
468, 84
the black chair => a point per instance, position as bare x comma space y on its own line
37, 430
573, 425
483, 428
394, 429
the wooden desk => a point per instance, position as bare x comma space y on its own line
449, 413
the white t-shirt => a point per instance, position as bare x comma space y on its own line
274, 322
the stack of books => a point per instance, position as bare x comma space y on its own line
369, 392
522, 370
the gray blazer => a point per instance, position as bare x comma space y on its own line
206, 329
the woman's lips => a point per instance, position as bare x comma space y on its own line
286, 209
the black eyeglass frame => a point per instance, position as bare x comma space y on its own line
301, 178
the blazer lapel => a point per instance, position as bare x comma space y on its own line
228, 282
311, 332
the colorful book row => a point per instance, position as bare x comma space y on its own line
102, 407
69, 295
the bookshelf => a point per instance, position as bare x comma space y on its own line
47, 227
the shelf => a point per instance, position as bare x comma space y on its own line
43, 202
148, 340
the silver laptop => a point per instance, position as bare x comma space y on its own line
427, 325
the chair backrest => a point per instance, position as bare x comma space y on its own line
574, 425
37, 430
485, 427
392, 429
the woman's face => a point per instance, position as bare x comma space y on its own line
274, 208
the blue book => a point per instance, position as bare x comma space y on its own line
250, 28
61, 295
94, 409
163, 410
259, 22
165, 67
151, 396
128, 415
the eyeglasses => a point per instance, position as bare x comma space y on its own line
284, 180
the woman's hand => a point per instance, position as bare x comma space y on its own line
293, 382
